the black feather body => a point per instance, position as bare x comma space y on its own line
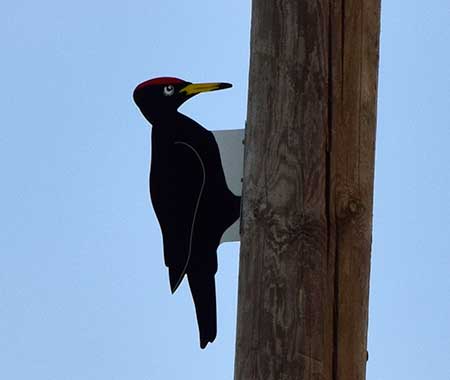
194, 207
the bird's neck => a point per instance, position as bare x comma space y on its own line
174, 120
164, 119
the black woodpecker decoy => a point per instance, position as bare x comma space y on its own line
190, 196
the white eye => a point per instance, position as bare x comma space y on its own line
169, 90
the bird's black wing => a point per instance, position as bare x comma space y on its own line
187, 178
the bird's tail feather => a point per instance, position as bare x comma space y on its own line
203, 289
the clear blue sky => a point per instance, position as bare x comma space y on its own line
84, 293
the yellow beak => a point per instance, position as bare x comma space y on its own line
197, 88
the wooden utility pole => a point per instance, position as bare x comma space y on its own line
308, 190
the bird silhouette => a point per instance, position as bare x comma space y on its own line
189, 193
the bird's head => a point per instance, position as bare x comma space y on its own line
158, 98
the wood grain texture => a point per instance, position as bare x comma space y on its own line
308, 188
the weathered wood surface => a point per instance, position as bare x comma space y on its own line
308, 190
